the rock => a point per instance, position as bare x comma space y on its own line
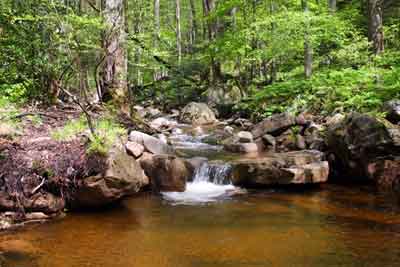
386, 173
196, 162
42, 202
167, 173
314, 138
286, 141
300, 167
122, 176
356, 141
163, 124
300, 142
8, 131
145, 156
163, 138
232, 144
245, 137
243, 123
197, 114
134, 149
174, 114
274, 125
229, 130
269, 141
337, 118
153, 112
150, 143
301, 120
392, 108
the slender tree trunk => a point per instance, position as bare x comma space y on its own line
115, 67
157, 73
332, 5
157, 20
192, 25
212, 29
273, 62
375, 27
308, 52
178, 30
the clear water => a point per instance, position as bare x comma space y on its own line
206, 226
334, 226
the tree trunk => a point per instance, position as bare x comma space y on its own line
332, 5
375, 27
192, 26
114, 72
157, 72
212, 29
178, 30
308, 53
273, 61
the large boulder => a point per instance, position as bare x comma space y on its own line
392, 109
274, 125
121, 176
358, 140
167, 173
150, 143
197, 114
301, 167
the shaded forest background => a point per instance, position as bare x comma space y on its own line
256, 57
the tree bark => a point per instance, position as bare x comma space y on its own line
308, 53
212, 29
157, 72
332, 5
178, 30
375, 25
114, 72
192, 25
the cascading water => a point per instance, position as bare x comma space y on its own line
210, 183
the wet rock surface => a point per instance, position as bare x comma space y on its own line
150, 143
121, 177
197, 114
167, 173
392, 108
357, 141
303, 167
274, 125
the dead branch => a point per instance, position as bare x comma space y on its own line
38, 187
25, 114
83, 108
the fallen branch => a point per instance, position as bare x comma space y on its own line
25, 114
38, 187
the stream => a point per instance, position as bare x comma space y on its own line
208, 226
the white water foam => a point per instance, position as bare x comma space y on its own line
210, 184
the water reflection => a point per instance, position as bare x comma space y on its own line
328, 227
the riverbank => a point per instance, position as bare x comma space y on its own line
44, 176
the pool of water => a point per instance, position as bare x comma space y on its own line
330, 226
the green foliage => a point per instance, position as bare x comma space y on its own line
70, 130
106, 130
258, 48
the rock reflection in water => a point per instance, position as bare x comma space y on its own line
274, 228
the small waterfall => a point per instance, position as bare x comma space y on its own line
211, 182
213, 172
